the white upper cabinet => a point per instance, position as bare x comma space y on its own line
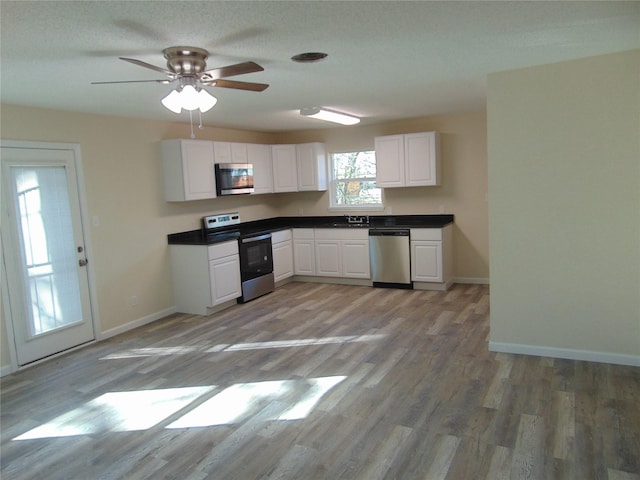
408, 160
188, 170
285, 170
312, 166
260, 157
230, 152
189, 167
390, 161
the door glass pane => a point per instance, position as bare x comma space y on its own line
48, 248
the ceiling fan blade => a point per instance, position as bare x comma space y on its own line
230, 71
140, 63
135, 81
254, 87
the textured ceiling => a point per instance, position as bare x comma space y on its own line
387, 60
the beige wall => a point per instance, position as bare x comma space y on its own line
124, 192
564, 176
463, 191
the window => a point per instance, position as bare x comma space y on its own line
353, 181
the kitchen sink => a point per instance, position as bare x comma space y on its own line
349, 225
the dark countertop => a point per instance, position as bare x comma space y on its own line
223, 234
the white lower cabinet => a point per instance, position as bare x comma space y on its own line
355, 259
426, 259
204, 276
328, 261
304, 259
282, 254
431, 255
342, 252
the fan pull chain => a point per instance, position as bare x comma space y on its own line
193, 135
200, 115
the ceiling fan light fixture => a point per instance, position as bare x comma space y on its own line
173, 101
206, 101
189, 98
329, 115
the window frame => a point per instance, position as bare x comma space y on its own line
333, 181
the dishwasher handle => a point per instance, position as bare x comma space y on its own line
379, 232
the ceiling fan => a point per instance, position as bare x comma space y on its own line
187, 65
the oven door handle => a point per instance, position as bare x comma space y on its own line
256, 239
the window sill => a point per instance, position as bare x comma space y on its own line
357, 208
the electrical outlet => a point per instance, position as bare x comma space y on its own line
134, 300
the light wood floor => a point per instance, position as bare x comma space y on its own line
321, 382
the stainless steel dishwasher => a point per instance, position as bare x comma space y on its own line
390, 258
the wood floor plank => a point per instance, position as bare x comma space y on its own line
321, 381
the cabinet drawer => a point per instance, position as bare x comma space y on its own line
426, 234
280, 236
303, 234
341, 233
220, 250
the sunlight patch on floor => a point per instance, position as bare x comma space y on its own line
141, 410
118, 412
303, 342
185, 350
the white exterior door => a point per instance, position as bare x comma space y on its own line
44, 250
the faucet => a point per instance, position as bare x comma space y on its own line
357, 218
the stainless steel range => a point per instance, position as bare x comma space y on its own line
256, 266
256, 256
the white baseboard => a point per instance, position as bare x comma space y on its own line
472, 280
566, 353
9, 369
135, 323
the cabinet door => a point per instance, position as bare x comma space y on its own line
260, 157
188, 170
285, 170
225, 279
390, 161
426, 261
282, 260
230, 152
312, 166
355, 259
328, 262
199, 177
421, 155
304, 260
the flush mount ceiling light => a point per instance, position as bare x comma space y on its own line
329, 115
189, 97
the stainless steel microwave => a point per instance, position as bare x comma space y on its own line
234, 178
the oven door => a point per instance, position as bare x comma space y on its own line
256, 258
